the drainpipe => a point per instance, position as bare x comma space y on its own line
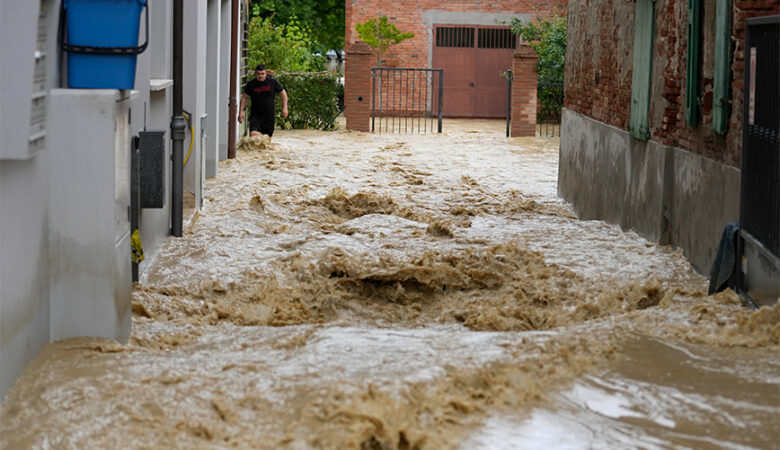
178, 124
232, 106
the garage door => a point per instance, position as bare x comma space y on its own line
473, 59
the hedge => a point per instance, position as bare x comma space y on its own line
314, 99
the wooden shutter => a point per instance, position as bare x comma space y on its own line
644, 18
720, 88
692, 74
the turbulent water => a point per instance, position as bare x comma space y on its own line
350, 290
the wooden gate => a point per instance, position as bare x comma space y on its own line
474, 60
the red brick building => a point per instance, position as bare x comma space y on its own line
652, 126
469, 39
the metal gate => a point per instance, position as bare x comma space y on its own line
406, 100
760, 180
550, 100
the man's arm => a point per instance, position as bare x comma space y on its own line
284, 103
241, 108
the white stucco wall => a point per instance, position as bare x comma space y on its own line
64, 231
89, 199
194, 98
24, 189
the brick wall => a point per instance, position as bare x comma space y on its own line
599, 67
524, 105
357, 89
407, 15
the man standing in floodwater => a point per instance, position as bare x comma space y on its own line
262, 90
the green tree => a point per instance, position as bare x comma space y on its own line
282, 47
380, 34
324, 18
547, 36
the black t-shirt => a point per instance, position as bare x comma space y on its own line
262, 94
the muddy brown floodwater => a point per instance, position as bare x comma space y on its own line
349, 290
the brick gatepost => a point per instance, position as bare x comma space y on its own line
523, 121
357, 86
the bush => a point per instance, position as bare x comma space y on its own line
314, 99
281, 48
547, 36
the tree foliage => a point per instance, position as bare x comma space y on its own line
380, 34
282, 47
547, 36
324, 18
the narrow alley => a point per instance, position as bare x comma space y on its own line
379, 291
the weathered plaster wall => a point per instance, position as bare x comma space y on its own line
665, 194
599, 68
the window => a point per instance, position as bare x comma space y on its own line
495, 38
455, 37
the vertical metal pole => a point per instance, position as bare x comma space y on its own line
427, 100
406, 102
178, 124
441, 95
381, 98
414, 101
373, 98
392, 100
134, 196
508, 100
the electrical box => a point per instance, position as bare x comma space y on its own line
151, 147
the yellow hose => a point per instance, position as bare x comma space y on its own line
192, 135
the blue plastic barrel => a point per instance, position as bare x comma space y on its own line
102, 42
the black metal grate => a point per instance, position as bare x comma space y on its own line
495, 38
406, 100
760, 197
455, 37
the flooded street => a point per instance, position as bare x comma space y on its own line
350, 290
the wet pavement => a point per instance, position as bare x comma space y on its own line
350, 290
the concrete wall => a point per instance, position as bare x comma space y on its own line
194, 98
89, 199
24, 191
213, 89
63, 202
24, 268
224, 81
665, 194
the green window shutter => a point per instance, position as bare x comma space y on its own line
720, 88
644, 18
692, 75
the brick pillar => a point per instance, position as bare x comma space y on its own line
523, 121
357, 86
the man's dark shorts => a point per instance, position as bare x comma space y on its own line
263, 126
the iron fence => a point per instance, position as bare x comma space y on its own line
550, 101
406, 100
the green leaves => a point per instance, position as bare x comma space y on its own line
380, 34
324, 19
282, 47
547, 36
314, 99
